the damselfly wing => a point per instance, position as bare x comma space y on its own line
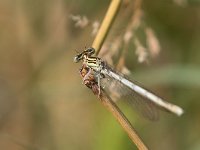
118, 91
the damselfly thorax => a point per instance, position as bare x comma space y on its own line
94, 63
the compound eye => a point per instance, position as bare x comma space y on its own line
90, 50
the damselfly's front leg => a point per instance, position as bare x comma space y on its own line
87, 75
99, 85
99, 76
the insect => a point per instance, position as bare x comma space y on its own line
98, 75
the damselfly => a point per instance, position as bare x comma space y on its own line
98, 75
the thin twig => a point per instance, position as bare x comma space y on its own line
124, 122
109, 104
106, 24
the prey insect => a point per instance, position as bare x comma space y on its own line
97, 73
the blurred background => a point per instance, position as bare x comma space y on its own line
45, 106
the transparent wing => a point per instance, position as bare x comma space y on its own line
116, 90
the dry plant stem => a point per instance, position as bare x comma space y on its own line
101, 35
106, 24
124, 122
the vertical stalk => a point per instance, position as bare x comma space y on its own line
106, 24
105, 100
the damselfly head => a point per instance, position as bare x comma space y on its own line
89, 51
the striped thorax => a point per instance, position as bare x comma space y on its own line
94, 63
